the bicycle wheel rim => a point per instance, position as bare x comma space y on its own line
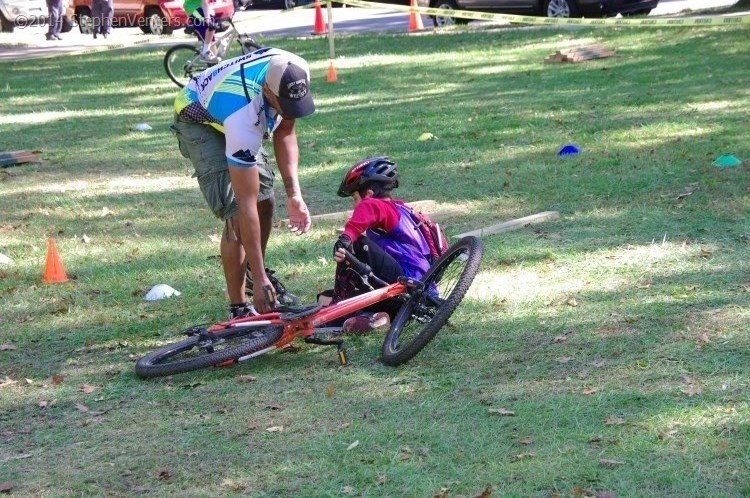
195, 352
182, 62
422, 316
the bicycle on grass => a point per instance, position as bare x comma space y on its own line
183, 61
426, 306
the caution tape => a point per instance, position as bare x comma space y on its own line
515, 19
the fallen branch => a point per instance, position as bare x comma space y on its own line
512, 224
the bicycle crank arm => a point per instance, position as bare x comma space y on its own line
339, 343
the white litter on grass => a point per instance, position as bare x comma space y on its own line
5, 260
142, 127
161, 291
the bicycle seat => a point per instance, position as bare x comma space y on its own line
297, 312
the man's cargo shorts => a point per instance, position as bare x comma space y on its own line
205, 146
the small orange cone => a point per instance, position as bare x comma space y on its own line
53, 268
415, 18
332, 78
319, 28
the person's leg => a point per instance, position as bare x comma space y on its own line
59, 10
385, 267
205, 32
205, 147
108, 16
53, 10
233, 262
96, 21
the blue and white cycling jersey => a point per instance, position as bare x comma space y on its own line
229, 97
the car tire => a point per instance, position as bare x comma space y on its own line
643, 12
156, 22
445, 21
6, 26
85, 21
560, 8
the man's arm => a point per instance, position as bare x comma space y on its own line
286, 150
246, 185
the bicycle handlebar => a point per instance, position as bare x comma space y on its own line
363, 269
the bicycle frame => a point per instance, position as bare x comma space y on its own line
305, 326
222, 41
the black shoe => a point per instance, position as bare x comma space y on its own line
282, 296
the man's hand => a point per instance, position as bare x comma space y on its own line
299, 216
264, 296
343, 243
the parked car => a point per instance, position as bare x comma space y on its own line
158, 17
546, 8
25, 13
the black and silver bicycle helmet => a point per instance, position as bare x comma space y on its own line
375, 171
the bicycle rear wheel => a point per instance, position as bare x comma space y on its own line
204, 349
427, 310
182, 62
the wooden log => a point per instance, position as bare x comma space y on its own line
511, 225
13, 157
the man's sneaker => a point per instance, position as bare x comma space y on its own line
282, 296
366, 322
241, 311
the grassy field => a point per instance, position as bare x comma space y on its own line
617, 336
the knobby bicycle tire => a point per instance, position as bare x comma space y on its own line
182, 62
236, 342
420, 318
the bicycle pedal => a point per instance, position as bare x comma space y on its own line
342, 356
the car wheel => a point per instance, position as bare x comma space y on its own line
560, 8
444, 21
289, 4
5, 25
643, 12
85, 21
67, 24
157, 23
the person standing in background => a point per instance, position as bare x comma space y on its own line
56, 10
102, 12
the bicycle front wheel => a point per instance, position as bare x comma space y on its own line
427, 310
205, 349
182, 62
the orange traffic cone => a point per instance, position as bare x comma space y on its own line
319, 28
415, 18
332, 78
53, 268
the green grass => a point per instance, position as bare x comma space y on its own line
618, 335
